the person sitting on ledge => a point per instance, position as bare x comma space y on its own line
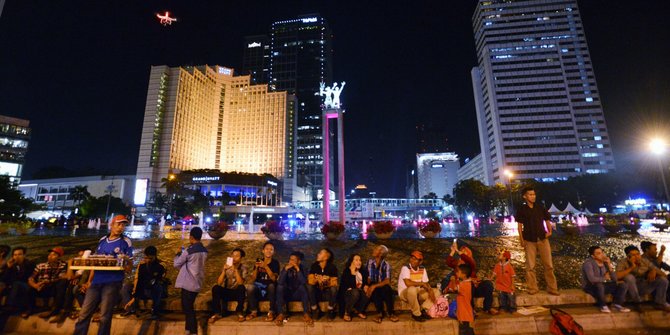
322, 284
15, 274
263, 283
599, 278
230, 287
650, 252
641, 277
291, 287
414, 289
379, 284
149, 284
353, 285
481, 289
48, 281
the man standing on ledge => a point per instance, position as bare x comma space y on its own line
535, 229
106, 285
191, 264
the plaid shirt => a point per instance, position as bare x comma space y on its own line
378, 275
47, 272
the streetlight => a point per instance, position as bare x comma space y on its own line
658, 146
509, 175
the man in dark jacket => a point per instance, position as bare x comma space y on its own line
15, 276
291, 287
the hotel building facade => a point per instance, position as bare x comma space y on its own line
204, 117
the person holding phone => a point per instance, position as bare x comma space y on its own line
230, 287
263, 285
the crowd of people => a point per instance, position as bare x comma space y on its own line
346, 294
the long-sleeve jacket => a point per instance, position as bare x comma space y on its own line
292, 279
191, 265
592, 273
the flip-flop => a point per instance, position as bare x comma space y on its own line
378, 319
279, 320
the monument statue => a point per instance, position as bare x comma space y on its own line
331, 94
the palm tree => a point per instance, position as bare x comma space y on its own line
79, 193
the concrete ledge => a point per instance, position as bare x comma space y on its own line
567, 297
589, 317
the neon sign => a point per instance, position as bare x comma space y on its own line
226, 71
253, 45
309, 20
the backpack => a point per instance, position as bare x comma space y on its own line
440, 308
563, 323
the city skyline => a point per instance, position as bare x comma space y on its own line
436, 52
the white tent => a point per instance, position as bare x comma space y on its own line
554, 210
587, 212
571, 209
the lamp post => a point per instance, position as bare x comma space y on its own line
509, 175
658, 147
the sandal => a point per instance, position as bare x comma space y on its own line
251, 316
270, 317
347, 317
279, 320
394, 318
25, 314
241, 318
214, 318
308, 320
378, 319
362, 316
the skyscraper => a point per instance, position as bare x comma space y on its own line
256, 58
300, 58
539, 111
205, 118
14, 137
437, 173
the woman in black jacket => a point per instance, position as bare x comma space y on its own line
352, 287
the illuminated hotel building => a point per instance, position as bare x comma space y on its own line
437, 173
205, 118
539, 110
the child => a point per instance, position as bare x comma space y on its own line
464, 310
503, 272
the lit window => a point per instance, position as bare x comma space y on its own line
589, 99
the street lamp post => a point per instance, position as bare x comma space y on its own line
509, 175
658, 148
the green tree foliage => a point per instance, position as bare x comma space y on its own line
97, 207
472, 196
12, 202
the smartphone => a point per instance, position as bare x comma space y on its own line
229, 261
455, 240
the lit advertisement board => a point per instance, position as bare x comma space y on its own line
141, 186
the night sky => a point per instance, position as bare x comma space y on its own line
78, 70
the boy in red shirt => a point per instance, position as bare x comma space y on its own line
503, 272
464, 311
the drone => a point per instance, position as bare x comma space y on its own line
165, 19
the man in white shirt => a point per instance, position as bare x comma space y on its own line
414, 289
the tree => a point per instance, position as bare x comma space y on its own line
430, 195
79, 193
12, 202
97, 207
448, 199
472, 196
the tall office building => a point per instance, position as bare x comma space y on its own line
538, 106
256, 58
437, 173
205, 118
300, 58
14, 137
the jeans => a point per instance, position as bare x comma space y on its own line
221, 296
254, 294
484, 290
153, 292
599, 290
17, 293
380, 296
105, 295
73, 293
284, 295
317, 294
187, 301
544, 249
56, 290
640, 286
355, 300
464, 328
507, 301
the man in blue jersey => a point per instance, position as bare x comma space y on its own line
105, 287
191, 265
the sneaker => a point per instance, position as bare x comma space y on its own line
605, 309
621, 308
418, 318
